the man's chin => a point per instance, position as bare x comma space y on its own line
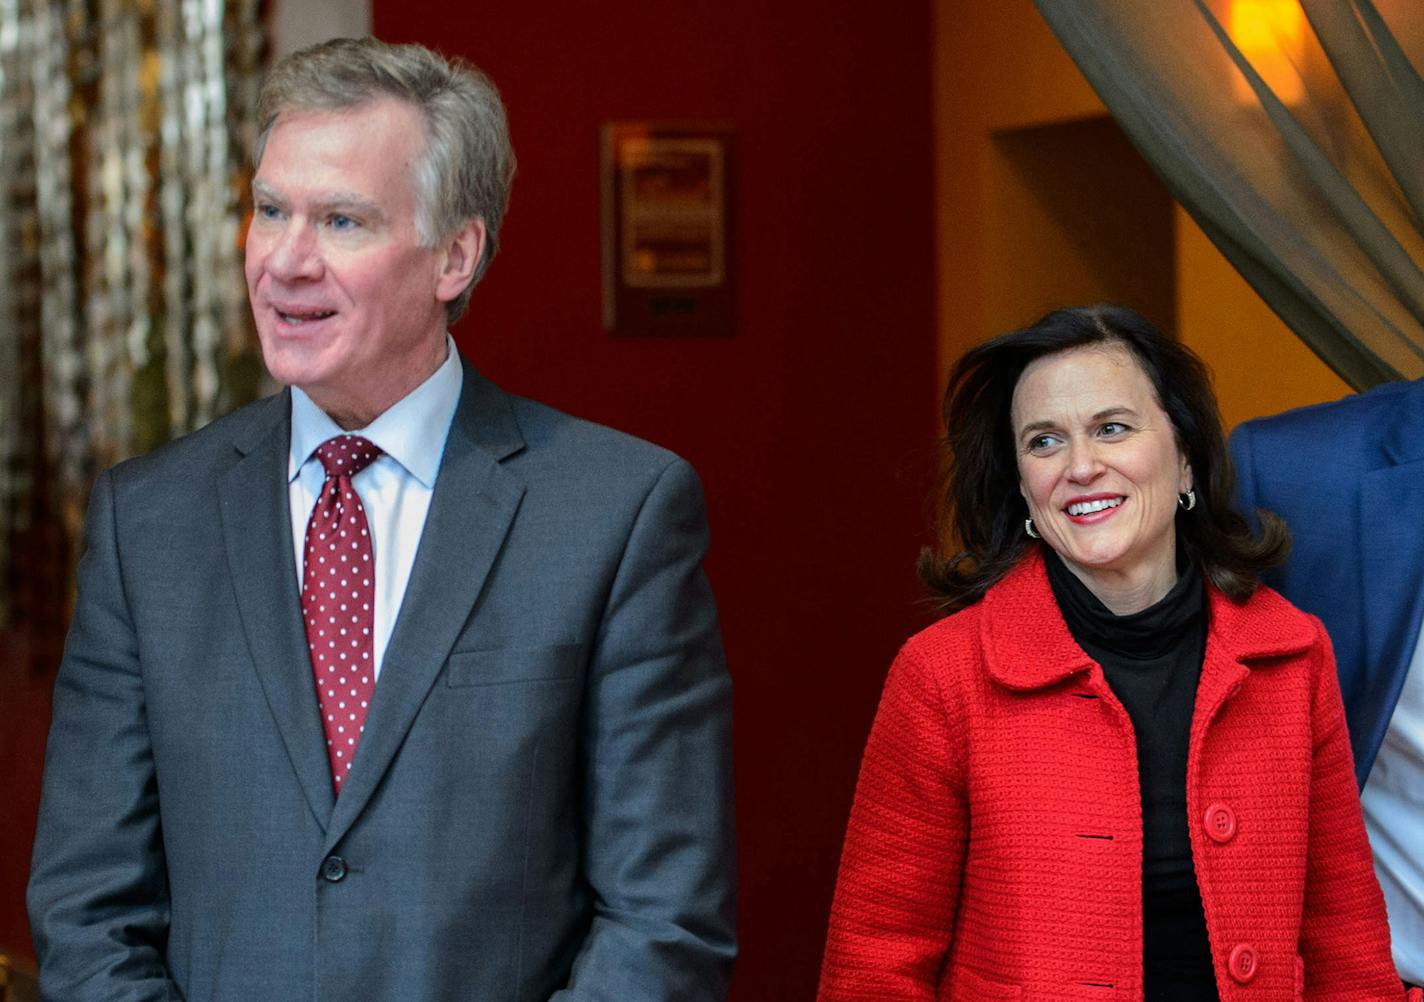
289, 364
291, 375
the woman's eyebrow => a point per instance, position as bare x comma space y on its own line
1118, 411
1038, 426
1102, 415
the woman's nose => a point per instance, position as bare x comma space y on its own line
1084, 463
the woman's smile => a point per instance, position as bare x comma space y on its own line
1100, 470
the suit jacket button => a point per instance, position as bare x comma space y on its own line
1243, 963
1220, 823
333, 868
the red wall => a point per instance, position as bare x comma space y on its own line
24, 724
810, 426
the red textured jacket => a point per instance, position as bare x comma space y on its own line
995, 847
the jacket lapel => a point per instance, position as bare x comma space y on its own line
1025, 637
1222, 673
471, 510
256, 523
1391, 548
1265, 626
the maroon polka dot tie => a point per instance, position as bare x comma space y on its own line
338, 593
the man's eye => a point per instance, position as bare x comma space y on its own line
341, 223
266, 211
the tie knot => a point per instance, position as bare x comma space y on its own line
346, 455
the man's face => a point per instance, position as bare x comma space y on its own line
348, 305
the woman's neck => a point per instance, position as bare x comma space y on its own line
1126, 592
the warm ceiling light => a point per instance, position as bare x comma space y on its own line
1271, 35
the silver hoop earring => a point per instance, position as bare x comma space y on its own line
1188, 501
1028, 528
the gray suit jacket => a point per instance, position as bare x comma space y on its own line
541, 802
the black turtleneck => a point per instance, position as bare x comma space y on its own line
1152, 662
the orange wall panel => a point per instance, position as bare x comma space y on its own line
1260, 366
998, 67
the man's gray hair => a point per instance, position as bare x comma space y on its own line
467, 167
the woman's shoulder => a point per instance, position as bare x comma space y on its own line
953, 656
1017, 617
946, 639
1266, 624
939, 675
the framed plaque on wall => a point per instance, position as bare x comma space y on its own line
667, 260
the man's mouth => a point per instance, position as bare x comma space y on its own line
297, 317
1096, 505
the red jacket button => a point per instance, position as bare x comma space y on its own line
1243, 963
1220, 823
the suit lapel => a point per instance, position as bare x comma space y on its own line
256, 522
471, 510
1392, 579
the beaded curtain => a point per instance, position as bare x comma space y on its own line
126, 129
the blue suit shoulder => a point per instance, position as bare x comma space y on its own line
1345, 432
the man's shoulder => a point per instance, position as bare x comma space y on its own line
1359, 414
1348, 437
210, 448
555, 440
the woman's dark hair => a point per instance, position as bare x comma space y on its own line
980, 513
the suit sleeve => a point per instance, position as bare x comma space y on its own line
1344, 940
659, 844
98, 897
891, 920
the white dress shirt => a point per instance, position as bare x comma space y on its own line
1393, 801
395, 489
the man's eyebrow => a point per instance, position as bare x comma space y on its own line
332, 201
348, 201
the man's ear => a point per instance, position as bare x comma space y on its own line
461, 253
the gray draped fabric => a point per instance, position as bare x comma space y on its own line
1301, 158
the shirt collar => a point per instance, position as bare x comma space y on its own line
411, 431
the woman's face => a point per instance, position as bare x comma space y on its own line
1100, 469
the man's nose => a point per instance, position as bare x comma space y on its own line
294, 253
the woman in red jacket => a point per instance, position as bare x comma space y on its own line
1120, 769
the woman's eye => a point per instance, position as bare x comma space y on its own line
1041, 443
1114, 428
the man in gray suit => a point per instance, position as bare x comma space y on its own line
394, 686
